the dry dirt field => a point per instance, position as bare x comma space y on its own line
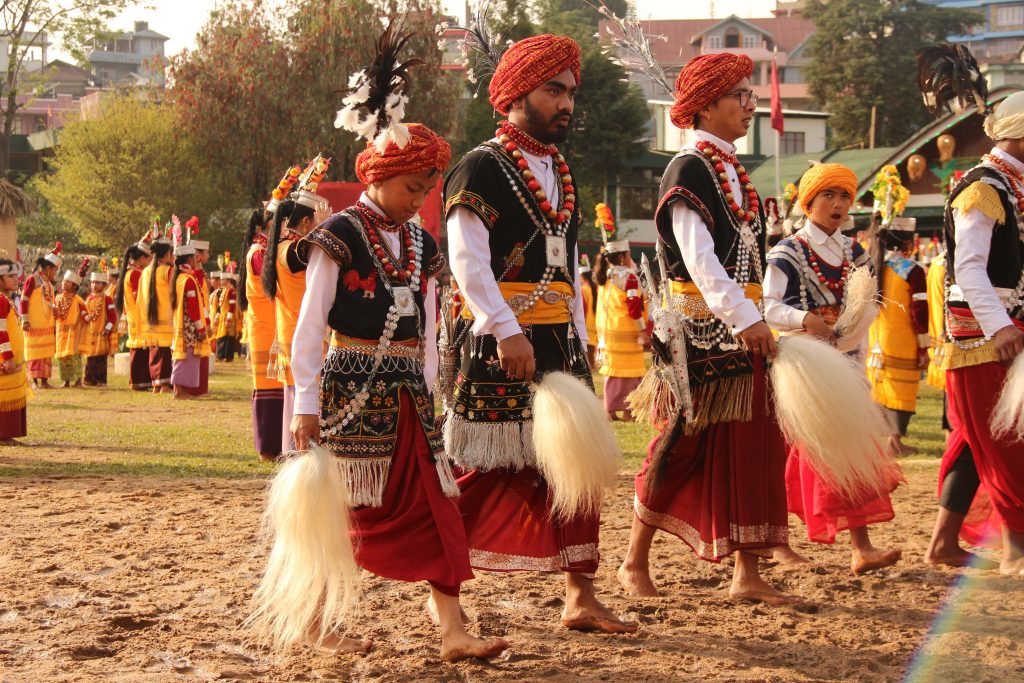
147, 579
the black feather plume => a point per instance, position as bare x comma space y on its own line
375, 104
950, 80
481, 48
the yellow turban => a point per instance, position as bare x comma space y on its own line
823, 176
1007, 121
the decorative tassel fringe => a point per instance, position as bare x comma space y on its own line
365, 479
310, 584
576, 449
273, 355
954, 357
446, 476
725, 400
652, 401
489, 446
823, 403
1008, 416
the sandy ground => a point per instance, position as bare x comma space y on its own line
116, 579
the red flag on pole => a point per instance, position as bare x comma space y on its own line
776, 118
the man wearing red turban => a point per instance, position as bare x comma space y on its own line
715, 478
512, 218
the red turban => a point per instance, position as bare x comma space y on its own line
529, 64
425, 149
703, 80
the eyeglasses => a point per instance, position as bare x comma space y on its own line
745, 97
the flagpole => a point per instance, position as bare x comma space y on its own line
778, 152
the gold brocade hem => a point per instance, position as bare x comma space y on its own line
954, 357
485, 560
763, 537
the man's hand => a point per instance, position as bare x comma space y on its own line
305, 430
8, 366
758, 339
814, 324
26, 326
515, 354
321, 213
922, 358
1009, 342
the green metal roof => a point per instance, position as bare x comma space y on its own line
792, 166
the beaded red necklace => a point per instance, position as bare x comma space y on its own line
513, 139
719, 158
373, 222
834, 284
1016, 179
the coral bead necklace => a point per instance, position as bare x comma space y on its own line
719, 158
515, 141
375, 223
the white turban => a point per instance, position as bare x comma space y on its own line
1007, 121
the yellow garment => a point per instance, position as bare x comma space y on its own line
95, 341
136, 336
697, 308
260, 323
290, 289
40, 339
69, 329
617, 348
162, 333
983, 197
936, 321
588, 314
212, 300
227, 316
179, 347
892, 344
14, 387
558, 310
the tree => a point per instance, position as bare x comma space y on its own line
114, 173
261, 89
863, 55
234, 93
26, 24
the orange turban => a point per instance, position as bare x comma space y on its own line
823, 176
425, 149
529, 64
703, 80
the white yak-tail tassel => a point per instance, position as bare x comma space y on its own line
823, 403
576, 449
310, 584
860, 308
1008, 416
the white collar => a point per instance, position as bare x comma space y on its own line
1008, 158
715, 140
365, 199
819, 236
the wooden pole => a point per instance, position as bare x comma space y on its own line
871, 133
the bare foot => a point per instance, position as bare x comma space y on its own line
340, 644
872, 558
955, 557
786, 556
461, 646
431, 609
595, 617
1013, 567
756, 589
637, 582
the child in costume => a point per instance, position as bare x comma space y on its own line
37, 320
71, 316
13, 380
100, 338
227, 317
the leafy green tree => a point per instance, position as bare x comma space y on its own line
862, 56
114, 173
25, 24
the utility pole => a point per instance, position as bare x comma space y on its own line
871, 132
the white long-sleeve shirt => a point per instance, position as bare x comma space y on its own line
721, 293
973, 234
322, 275
470, 260
786, 318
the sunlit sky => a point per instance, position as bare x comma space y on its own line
180, 20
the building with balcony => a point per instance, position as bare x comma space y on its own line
999, 36
133, 58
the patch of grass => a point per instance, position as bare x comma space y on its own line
117, 432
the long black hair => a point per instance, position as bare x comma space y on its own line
179, 261
257, 220
603, 263
160, 249
130, 254
294, 212
886, 239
